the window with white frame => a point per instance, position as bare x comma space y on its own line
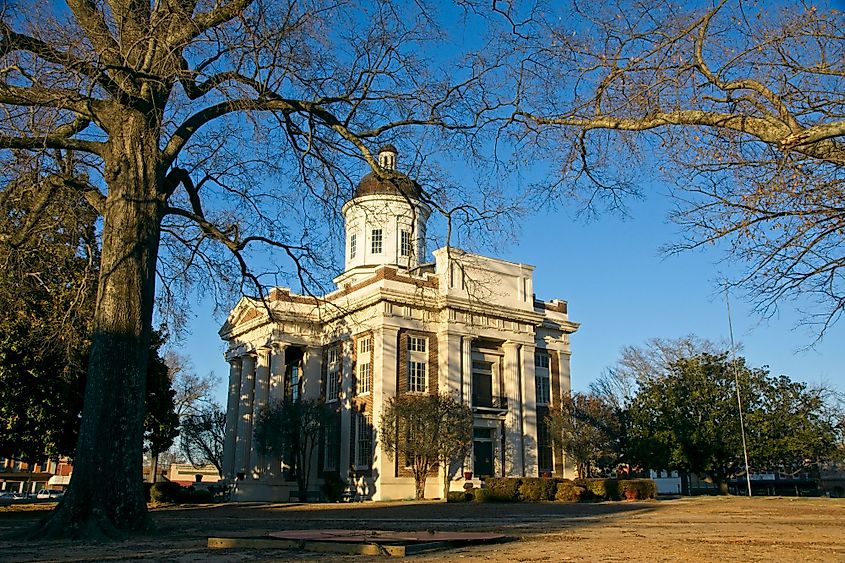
332, 375
416, 377
353, 245
541, 377
405, 243
417, 362
375, 240
362, 381
363, 442
364, 368
416, 344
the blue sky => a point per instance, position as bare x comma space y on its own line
623, 291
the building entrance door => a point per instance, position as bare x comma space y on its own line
482, 452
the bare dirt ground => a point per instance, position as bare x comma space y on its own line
688, 529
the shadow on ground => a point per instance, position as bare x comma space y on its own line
182, 531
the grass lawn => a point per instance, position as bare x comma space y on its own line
687, 529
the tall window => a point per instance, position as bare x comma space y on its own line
364, 369
405, 245
417, 362
333, 376
332, 444
376, 241
416, 377
545, 461
363, 442
541, 377
353, 245
293, 382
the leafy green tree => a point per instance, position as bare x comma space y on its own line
48, 285
688, 419
590, 430
290, 430
48, 276
161, 422
202, 436
428, 431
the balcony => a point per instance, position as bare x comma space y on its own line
487, 404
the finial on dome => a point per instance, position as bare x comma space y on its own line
387, 157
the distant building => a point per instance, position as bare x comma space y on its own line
22, 477
186, 474
464, 324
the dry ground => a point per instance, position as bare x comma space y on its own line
688, 529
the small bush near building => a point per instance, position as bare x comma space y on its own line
567, 491
503, 489
601, 489
167, 491
534, 489
201, 496
638, 489
333, 487
480, 495
459, 496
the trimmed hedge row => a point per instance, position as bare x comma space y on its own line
168, 491
534, 489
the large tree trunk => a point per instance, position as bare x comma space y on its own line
106, 493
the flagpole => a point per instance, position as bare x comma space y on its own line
738, 397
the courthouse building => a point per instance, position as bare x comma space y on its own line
463, 324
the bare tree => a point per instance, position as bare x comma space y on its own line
202, 435
619, 384
427, 431
193, 392
742, 104
156, 101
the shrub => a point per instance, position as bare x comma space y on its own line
601, 489
333, 487
567, 491
220, 492
167, 491
201, 496
480, 495
638, 489
459, 496
503, 489
533, 489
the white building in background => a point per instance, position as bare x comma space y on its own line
463, 324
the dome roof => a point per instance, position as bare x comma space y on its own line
401, 186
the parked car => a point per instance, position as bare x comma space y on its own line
49, 494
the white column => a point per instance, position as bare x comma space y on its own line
232, 406
450, 364
529, 412
466, 368
344, 460
311, 372
565, 377
277, 372
245, 414
384, 386
513, 430
276, 393
262, 396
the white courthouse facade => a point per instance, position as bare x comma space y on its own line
464, 324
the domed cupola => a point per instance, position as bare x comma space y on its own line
399, 184
385, 220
